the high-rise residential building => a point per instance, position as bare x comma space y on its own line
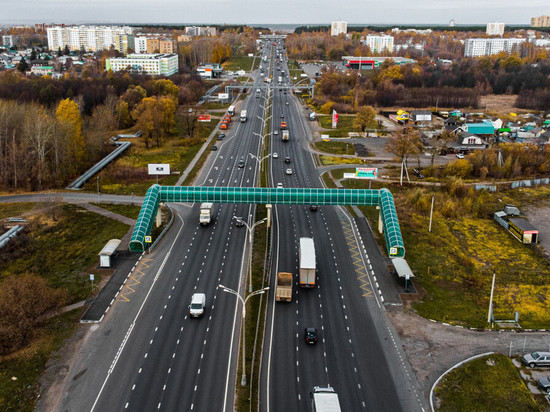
194, 31
495, 29
540, 21
152, 64
10, 40
485, 47
338, 27
89, 38
378, 44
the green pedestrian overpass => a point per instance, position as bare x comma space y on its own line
277, 196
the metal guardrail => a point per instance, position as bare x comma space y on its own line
6, 237
79, 182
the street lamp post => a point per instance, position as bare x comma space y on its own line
243, 326
97, 180
250, 230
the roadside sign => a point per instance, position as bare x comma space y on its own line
204, 118
223, 96
159, 169
92, 277
334, 119
325, 138
148, 239
366, 172
393, 251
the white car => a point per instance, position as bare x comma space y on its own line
275, 155
279, 185
275, 132
288, 171
460, 155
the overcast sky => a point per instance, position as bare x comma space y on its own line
265, 12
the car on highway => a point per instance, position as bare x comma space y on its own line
282, 116
275, 155
288, 171
313, 208
310, 336
214, 148
279, 185
286, 103
536, 359
544, 384
460, 155
241, 163
275, 132
221, 136
239, 222
287, 159
198, 303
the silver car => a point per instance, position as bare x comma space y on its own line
544, 384
536, 359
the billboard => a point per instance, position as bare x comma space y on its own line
204, 117
223, 96
325, 138
159, 169
334, 119
366, 172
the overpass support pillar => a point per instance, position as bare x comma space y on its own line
158, 217
268, 207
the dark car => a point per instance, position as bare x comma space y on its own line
544, 384
221, 136
282, 116
313, 208
239, 222
287, 159
214, 148
241, 164
310, 335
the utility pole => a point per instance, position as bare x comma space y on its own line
491, 300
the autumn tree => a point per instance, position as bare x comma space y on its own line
154, 116
165, 87
68, 115
404, 144
24, 299
365, 119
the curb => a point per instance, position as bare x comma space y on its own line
488, 330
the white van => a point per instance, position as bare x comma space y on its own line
198, 303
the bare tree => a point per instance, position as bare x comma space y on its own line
403, 145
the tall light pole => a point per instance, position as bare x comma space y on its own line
250, 230
243, 326
97, 180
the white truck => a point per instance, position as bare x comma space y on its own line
243, 116
324, 399
307, 262
206, 213
285, 135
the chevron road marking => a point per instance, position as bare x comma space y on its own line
360, 269
133, 281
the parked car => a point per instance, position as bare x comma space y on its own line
214, 148
221, 136
536, 359
544, 384
460, 155
310, 336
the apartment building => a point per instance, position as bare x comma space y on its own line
11, 40
338, 27
495, 29
194, 31
485, 47
152, 64
89, 38
540, 21
377, 43
154, 43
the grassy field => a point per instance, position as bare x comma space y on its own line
455, 262
125, 210
334, 160
27, 365
15, 209
338, 148
129, 173
488, 384
236, 63
60, 248
345, 124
